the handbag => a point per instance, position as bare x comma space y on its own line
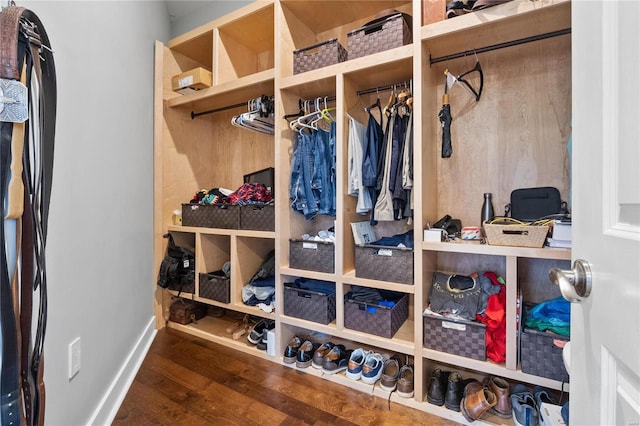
177, 269
531, 204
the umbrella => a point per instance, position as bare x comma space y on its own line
445, 120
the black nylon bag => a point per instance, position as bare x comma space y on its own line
530, 204
178, 267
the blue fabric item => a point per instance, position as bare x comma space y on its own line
372, 150
394, 241
554, 315
319, 286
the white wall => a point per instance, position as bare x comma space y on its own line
99, 249
196, 13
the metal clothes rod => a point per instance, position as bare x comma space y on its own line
499, 46
383, 88
198, 114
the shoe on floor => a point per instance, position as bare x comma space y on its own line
291, 351
372, 368
524, 408
320, 353
500, 387
336, 360
305, 354
390, 373
437, 387
454, 392
405, 381
258, 330
356, 361
477, 400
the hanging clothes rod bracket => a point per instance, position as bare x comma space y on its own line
499, 46
384, 88
198, 114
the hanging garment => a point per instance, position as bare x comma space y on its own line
300, 192
357, 136
383, 209
372, 147
398, 193
407, 166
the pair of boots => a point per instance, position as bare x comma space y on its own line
470, 396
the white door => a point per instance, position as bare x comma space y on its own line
605, 327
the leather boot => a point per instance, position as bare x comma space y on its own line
500, 387
437, 387
475, 404
454, 392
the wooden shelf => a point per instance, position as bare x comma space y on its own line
220, 231
474, 247
350, 278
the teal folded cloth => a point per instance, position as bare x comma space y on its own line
553, 315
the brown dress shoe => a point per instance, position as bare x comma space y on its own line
474, 405
500, 387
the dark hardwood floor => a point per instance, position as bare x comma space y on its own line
185, 380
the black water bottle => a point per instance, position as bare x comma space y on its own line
487, 209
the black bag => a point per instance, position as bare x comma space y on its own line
531, 204
177, 269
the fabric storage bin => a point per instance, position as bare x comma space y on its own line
455, 336
516, 235
318, 55
380, 34
385, 263
258, 217
215, 286
540, 357
374, 319
225, 216
309, 305
312, 255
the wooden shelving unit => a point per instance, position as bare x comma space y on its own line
514, 137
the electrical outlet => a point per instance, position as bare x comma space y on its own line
74, 357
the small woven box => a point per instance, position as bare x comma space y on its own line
373, 319
225, 216
258, 217
318, 55
215, 286
516, 235
385, 263
380, 34
540, 357
309, 305
312, 255
458, 337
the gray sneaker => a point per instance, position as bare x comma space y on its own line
525, 410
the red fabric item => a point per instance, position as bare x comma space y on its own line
495, 319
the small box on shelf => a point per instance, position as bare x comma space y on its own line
312, 255
309, 305
192, 80
225, 216
455, 336
215, 286
385, 263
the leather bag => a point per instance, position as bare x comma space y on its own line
531, 204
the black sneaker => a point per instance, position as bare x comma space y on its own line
259, 330
291, 351
305, 354
336, 360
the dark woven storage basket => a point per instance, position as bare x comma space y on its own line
258, 217
318, 55
540, 357
312, 255
458, 337
309, 305
385, 263
379, 35
226, 216
384, 321
215, 287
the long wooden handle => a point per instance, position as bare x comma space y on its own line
16, 185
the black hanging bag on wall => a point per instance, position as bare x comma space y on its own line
531, 204
177, 268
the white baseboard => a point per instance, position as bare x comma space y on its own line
110, 403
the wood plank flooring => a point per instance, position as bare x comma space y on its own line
185, 380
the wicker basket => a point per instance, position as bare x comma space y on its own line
258, 217
381, 34
318, 55
540, 357
384, 263
225, 216
309, 305
373, 319
215, 286
458, 337
516, 235
312, 255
